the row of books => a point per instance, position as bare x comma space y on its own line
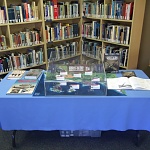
63, 51
26, 38
61, 9
21, 60
23, 12
59, 31
115, 10
116, 33
122, 51
91, 29
92, 49
3, 44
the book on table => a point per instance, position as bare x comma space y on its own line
33, 74
23, 86
16, 74
134, 83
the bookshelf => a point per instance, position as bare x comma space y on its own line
62, 34
71, 21
133, 25
22, 44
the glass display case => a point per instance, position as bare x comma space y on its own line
75, 79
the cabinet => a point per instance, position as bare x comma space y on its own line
67, 30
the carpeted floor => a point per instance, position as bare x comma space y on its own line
51, 140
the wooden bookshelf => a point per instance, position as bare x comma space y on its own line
8, 28
135, 23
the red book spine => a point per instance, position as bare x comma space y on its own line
124, 10
131, 10
26, 10
55, 9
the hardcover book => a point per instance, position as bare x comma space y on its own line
33, 74
22, 86
16, 74
111, 62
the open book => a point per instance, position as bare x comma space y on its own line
128, 83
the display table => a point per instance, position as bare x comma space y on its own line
26, 112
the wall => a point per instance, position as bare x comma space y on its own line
144, 55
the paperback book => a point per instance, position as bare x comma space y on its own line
33, 74
22, 86
16, 74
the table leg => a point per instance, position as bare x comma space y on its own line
137, 142
13, 138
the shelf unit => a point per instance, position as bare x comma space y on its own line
135, 34
135, 24
61, 22
8, 28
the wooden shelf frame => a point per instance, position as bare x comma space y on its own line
135, 36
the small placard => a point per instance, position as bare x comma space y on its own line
63, 73
88, 73
75, 86
63, 83
95, 86
77, 75
96, 79
60, 77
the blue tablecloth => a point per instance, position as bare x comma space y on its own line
26, 112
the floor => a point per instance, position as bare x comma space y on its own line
51, 140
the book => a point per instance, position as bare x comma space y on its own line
128, 74
33, 74
111, 62
23, 86
16, 74
134, 83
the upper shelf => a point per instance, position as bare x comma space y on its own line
62, 19
108, 19
18, 23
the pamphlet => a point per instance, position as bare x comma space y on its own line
33, 74
23, 86
16, 74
